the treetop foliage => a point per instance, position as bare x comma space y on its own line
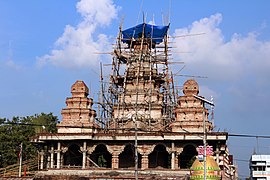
19, 130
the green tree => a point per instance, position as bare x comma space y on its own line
20, 130
189, 164
45, 123
102, 161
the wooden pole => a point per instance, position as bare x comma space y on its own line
20, 156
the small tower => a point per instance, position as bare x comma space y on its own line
190, 111
78, 116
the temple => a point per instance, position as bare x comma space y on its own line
142, 127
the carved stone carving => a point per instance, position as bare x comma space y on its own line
90, 150
178, 150
168, 149
64, 149
145, 150
116, 149
41, 153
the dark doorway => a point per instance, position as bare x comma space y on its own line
187, 156
101, 156
159, 158
73, 157
127, 157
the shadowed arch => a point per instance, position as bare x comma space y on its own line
101, 156
186, 156
73, 157
159, 157
127, 157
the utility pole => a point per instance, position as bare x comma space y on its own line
204, 147
134, 119
204, 133
136, 150
20, 156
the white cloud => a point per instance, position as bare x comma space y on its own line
11, 64
102, 11
208, 93
238, 69
77, 46
212, 56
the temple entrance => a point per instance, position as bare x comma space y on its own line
159, 158
101, 156
127, 157
73, 157
187, 156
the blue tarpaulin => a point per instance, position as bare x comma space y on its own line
156, 33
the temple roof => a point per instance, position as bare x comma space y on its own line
79, 89
191, 87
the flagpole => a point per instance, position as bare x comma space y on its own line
20, 168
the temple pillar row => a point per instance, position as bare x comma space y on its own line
115, 150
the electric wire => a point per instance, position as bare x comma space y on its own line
141, 130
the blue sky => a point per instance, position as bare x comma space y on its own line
47, 45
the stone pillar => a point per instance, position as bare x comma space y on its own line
87, 163
84, 150
176, 162
115, 161
62, 160
173, 160
217, 154
115, 150
41, 159
179, 162
173, 157
58, 151
52, 153
48, 161
178, 151
145, 161
145, 150
63, 151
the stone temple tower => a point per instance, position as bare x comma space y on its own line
190, 111
79, 112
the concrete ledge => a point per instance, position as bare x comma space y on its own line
103, 173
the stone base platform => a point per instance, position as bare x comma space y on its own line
103, 174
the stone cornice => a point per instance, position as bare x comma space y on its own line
130, 136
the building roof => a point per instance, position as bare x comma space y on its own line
259, 157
